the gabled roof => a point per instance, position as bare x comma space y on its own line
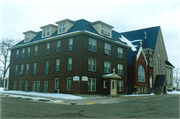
148, 40
169, 64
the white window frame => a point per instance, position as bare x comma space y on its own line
17, 54
44, 32
34, 86
107, 67
105, 84
105, 30
28, 52
47, 67
48, 48
16, 70
45, 86
20, 85
91, 64
27, 37
107, 49
120, 86
69, 83
26, 85
69, 68
57, 64
15, 85
56, 85
48, 31
70, 44
38, 86
22, 68
58, 49
36, 50
91, 88
23, 52
27, 69
120, 52
92, 45
62, 28
34, 68
120, 69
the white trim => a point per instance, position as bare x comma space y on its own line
139, 52
169, 66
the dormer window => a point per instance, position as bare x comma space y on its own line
105, 30
48, 30
27, 37
64, 25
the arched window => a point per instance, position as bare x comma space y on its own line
141, 74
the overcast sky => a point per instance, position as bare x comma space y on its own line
18, 17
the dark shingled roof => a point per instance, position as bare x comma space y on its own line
168, 63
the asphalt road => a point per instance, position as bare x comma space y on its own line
155, 107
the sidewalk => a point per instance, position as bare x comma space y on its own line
69, 99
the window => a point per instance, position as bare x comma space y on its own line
44, 32
120, 86
34, 68
15, 84
57, 64
56, 83
120, 69
69, 64
120, 52
47, 48
27, 37
23, 51
38, 86
28, 53
92, 45
58, 49
141, 74
62, 27
26, 86
20, 87
159, 67
22, 67
150, 52
105, 30
34, 86
16, 70
17, 54
70, 46
91, 84
141, 89
105, 84
48, 31
69, 84
91, 64
35, 50
46, 67
46, 86
107, 67
107, 49
158, 54
27, 69
145, 52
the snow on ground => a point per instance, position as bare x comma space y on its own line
139, 94
173, 92
49, 95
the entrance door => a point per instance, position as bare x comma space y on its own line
113, 89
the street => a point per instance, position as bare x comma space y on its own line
155, 107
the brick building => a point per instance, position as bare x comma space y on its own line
71, 57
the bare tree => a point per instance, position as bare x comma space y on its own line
5, 44
176, 77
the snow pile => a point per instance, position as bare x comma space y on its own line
173, 92
49, 95
139, 94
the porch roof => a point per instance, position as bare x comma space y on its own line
111, 76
